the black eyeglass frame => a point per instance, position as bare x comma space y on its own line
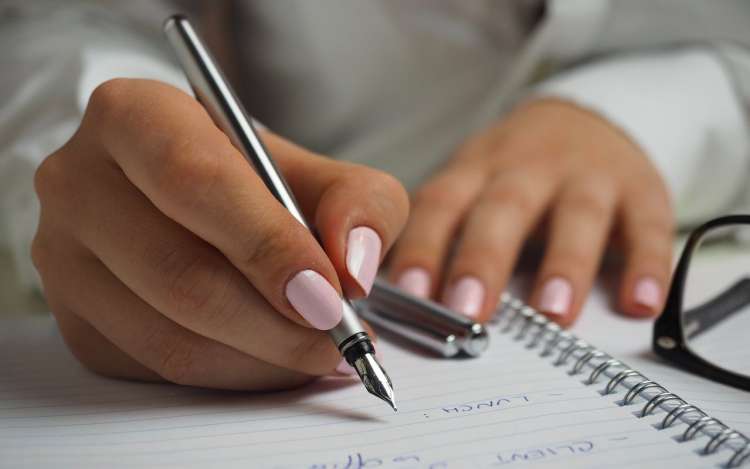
668, 340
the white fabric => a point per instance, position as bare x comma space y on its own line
399, 86
681, 109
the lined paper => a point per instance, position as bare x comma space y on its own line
630, 340
507, 408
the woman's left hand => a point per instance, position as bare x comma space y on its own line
551, 160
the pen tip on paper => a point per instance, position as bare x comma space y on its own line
375, 379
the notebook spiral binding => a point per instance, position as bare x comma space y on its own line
538, 331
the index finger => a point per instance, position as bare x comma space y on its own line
358, 211
168, 147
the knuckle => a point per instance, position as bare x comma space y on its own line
265, 248
198, 287
89, 359
39, 253
177, 363
661, 227
78, 340
173, 355
569, 258
392, 200
435, 194
47, 178
109, 100
388, 184
399, 198
183, 172
481, 254
383, 182
652, 252
84, 356
42, 176
516, 197
652, 231
428, 194
597, 207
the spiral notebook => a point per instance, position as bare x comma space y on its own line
539, 397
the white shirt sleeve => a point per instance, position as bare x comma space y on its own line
681, 108
44, 91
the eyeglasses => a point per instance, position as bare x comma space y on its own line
705, 326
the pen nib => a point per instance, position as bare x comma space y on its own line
375, 379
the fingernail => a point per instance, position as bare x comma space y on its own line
315, 299
466, 296
415, 281
363, 256
557, 296
647, 293
345, 368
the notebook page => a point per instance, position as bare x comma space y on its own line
630, 341
507, 408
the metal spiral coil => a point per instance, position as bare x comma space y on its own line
532, 326
502, 306
568, 351
699, 424
585, 358
543, 326
639, 388
619, 378
601, 368
552, 343
527, 314
512, 309
658, 400
739, 457
675, 413
719, 439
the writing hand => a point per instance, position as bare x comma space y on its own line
164, 256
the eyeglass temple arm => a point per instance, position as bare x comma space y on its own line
702, 318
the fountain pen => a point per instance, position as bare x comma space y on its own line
213, 91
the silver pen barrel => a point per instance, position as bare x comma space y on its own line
213, 90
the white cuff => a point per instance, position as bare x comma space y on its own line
681, 109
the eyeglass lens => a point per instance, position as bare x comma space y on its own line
716, 299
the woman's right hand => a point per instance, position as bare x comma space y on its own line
164, 257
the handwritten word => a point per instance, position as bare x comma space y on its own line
535, 454
359, 461
495, 402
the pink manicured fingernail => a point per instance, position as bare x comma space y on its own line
557, 295
647, 293
466, 296
345, 368
315, 299
415, 281
363, 256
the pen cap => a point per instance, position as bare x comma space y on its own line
446, 346
427, 316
